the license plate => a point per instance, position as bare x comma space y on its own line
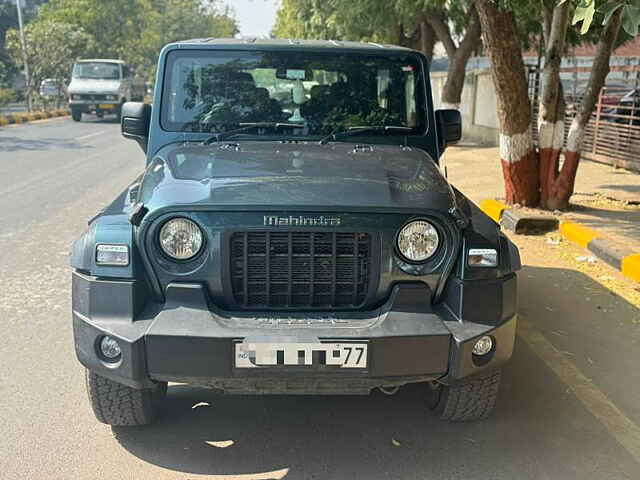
105, 106
340, 355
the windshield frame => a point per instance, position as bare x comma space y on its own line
422, 90
84, 62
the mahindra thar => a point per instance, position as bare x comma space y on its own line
292, 233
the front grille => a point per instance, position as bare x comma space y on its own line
92, 96
300, 269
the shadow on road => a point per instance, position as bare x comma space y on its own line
18, 144
539, 430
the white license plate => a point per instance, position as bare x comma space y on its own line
342, 355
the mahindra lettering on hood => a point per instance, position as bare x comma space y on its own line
292, 232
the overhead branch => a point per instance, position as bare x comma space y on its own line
472, 35
427, 39
437, 22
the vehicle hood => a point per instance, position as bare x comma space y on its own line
91, 85
264, 174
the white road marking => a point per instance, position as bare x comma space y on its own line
615, 421
84, 137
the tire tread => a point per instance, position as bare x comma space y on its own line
117, 404
472, 399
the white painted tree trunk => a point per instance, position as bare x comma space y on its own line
513, 148
551, 135
575, 137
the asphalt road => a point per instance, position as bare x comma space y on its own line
569, 406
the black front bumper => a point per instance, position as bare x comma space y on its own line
94, 106
188, 340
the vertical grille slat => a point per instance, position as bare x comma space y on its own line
300, 269
334, 260
355, 268
312, 285
245, 290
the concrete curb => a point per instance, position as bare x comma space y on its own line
30, 117
618, 256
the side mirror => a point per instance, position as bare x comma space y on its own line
449, 124
134, 122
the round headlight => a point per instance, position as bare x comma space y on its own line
180, 238
418, 240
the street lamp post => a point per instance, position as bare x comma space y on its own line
23, 44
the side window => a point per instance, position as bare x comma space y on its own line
126, 73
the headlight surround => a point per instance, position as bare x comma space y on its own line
180, 238
418, 241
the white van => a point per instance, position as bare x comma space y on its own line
101, 86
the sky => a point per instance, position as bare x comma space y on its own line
255, 17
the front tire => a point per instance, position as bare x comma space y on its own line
468, 400
119, 405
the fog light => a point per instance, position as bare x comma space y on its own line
483, 346
110, 348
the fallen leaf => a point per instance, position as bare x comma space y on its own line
395, 442
200, 404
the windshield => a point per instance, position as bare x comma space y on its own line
97, 70
219, 91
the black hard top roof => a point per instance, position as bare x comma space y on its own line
268, 43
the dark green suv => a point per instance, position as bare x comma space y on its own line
292, 233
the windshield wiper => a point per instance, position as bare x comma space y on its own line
244, 127
351, 131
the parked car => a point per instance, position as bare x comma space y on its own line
51, 88
101, 86
627, 110
310, 246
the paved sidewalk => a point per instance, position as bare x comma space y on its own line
606, 199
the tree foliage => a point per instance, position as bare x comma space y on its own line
167, 21
366, 20
585, 12
136, 30
51, 50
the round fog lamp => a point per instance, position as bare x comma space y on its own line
483, 346
110, 348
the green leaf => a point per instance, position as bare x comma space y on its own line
631, 19
584, 14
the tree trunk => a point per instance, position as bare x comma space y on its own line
562, 188
458, 55
452, 90
427, 39
552, 105
518, 157
401, 38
